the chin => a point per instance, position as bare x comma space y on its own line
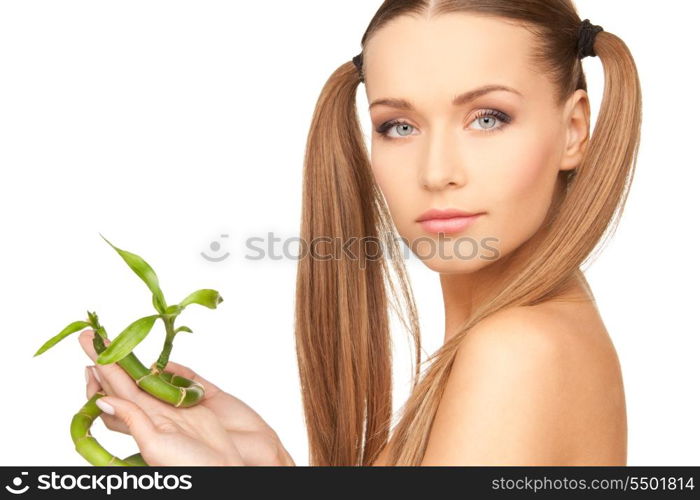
456, 253
454, 264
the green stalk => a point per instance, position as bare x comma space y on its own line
87, 445
168, 345
166, 386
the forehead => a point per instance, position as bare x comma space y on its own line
443, 56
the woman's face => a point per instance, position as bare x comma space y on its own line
496, 152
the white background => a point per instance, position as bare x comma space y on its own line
165, 124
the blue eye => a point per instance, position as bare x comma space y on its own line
400, 125
488, 120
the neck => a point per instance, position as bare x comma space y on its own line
463, 293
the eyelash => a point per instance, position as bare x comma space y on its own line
384, 128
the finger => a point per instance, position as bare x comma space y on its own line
111, 377
107, 389
86, 342
183, 371
85, 339
93, 386
140, 425
114, 424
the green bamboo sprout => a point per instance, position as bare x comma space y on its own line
166, 386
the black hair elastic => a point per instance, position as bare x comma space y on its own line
586, 38
358, 64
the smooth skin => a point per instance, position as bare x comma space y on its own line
533, 386
536, 385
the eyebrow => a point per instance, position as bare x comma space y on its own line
459, 100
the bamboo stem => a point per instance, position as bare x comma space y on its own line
168, 387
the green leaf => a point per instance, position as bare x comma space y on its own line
183, 329
174, 309
72, 328
125, 342
146, 273
158, 302
205, 297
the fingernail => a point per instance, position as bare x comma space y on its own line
96, 374
87, 374
104, 406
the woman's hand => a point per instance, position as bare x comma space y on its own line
219, 430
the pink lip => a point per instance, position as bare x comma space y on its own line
447, 221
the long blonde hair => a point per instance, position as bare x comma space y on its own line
342, 333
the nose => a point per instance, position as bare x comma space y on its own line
442, 167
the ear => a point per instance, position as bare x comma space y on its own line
577, 114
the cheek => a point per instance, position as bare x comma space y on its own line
396, 178
523, 180
521, 188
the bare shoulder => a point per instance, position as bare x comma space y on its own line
532, 386
519, 331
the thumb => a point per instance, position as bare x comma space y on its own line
140, 425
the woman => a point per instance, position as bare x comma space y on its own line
481, 161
